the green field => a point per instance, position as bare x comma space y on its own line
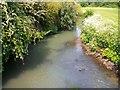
111, 13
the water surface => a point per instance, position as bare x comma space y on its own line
55, 63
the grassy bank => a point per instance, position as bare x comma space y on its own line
100, 33
110, 13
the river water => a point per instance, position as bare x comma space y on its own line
56, 63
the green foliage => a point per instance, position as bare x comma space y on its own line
25, 23
111, 55
17, 31
37, 11
88, 13
79, 10
101, 41
51, 28
93, 45
53, 9
84, 4
84, 38
100, 4
102, 33
68, 15
110, 13
87, 34
52, 18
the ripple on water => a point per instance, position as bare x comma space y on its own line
53, 63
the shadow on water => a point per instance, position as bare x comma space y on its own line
0, 66
58, 62
31, 61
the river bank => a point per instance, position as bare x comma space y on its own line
52, 63
102, 60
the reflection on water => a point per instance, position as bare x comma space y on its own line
78, 32
52, 64
78, 47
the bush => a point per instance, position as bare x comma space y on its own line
51, 28
111, 55
102, 33
93, 45
85, 39
84, 4
25, 23
79, 10
100, 4
52, 18
101, 41
68, 15
17, 32
88, 13
87, 34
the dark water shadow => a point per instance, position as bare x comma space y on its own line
36, 56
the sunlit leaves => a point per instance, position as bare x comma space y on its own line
17, 31
101, 33
24, 23
68, 15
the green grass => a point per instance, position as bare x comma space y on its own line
110, 13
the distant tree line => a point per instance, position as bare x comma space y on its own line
100, 4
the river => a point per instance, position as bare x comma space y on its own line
56, 63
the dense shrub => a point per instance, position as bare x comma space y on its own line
100, 4
68, 15
25, 23
111, 55
102, 33
84, 4
101, 41
79, 10
88, 13
17, 31
52, 18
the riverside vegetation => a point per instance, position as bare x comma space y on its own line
26, 23
100, 34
